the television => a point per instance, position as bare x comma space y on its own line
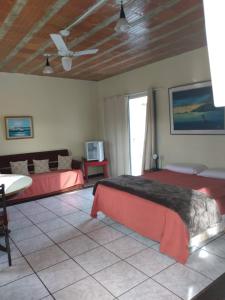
94, 150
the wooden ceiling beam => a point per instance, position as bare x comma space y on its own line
150, 36
33, 24
78, 19
104, 23
45, 47
156, 25
145, 18
145, 61
132, 41
56, 23
8, 13
151, 51
148, 16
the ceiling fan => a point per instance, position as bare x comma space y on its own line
63, 52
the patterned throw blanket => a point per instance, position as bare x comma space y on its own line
197, 210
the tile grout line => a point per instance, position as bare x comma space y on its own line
73, 258
35, 272
62, 261
22, 255
99, 245
127, 234
201, 273
218, 236
112, 264
124, 260
149, 277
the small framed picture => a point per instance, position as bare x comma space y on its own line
19, 127
192, 110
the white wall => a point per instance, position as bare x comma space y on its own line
183, 69
64, 112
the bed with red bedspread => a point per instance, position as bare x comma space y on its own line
155, 221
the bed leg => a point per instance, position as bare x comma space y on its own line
93, 215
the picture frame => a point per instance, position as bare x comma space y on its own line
19, 127
192, 110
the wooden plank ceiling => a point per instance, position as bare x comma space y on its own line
159, 29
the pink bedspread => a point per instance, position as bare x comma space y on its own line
153, 220
50, 182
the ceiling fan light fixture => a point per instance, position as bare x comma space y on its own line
67, 63
122, 24
47, 68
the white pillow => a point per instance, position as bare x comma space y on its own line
41, 166
19, 167
213, 173
64, 162
186, 168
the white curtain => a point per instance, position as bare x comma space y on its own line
116, 124
150, 133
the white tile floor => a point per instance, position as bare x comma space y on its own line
60, 252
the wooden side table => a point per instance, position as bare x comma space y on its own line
104, 164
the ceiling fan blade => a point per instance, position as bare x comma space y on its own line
59, 43
85, 52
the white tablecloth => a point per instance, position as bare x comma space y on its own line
14, 183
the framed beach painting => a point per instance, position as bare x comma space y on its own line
192, 110
19, 127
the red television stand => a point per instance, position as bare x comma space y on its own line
96, 163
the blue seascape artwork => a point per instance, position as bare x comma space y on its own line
19, 127
193, 109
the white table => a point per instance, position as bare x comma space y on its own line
14, 183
